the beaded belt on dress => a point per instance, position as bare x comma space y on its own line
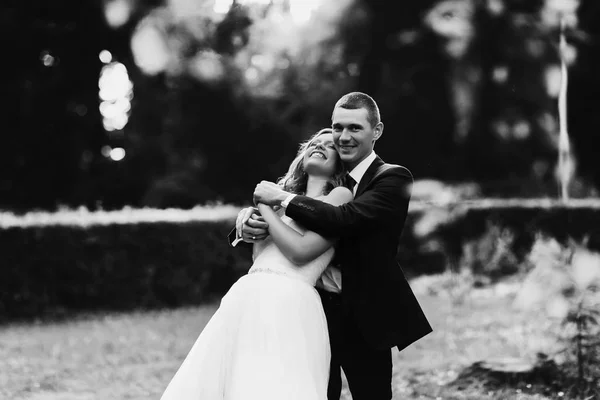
281, 273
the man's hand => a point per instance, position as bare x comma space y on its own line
269, 193
250, 225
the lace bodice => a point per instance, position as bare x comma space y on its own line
267, 256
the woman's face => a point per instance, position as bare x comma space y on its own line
321, 158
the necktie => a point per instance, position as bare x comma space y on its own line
350, 182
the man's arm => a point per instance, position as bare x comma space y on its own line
385, 203
301, 248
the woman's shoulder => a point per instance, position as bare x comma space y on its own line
339, 195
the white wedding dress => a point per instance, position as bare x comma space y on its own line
267, 341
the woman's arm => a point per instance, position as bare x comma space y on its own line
297, 247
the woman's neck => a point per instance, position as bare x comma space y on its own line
315, 186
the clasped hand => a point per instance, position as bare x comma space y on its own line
250, 225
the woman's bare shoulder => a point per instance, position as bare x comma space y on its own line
338, 196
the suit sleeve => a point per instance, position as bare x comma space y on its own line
385, 202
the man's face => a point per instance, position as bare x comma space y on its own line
353, 135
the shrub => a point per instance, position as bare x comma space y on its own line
52, 269
490, 236
146, 258
564, 283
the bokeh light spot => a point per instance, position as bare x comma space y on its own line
521, 130
301, 10
553, 80
500, 74
150, 51
117, 154
207, 66
105, 56
116, 92
117, 12
47, 59
222, 6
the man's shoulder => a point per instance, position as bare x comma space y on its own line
395, 169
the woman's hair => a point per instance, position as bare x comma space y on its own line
296, 178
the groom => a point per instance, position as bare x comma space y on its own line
368, 302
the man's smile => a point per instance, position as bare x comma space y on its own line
346, 147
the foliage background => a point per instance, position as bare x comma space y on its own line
467, 90
216, 96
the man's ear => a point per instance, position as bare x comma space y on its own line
378, 131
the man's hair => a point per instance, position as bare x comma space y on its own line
357, 100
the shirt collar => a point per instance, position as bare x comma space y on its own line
358, 172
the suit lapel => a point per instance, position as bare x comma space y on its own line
369, 174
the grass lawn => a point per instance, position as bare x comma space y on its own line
134, 355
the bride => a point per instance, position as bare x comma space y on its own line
268, 340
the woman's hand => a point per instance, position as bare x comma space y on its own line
251, 226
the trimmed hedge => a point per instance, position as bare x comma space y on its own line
57, 268
52, 270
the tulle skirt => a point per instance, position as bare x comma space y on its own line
267, 341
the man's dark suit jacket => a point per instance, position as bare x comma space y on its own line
375, 291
